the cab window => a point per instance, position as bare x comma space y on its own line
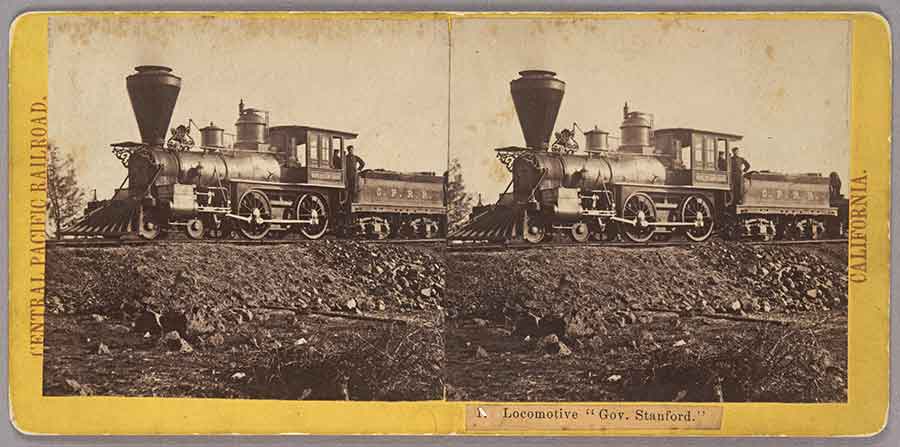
337, 152
301, 154
709, 148
324, 151
314, 150
722, 149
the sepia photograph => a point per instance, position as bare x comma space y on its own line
648, 210
246, 207
449, 223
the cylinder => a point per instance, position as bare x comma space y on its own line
537, 95
596, 140
153, 91
636, 131
251, 129
212, 136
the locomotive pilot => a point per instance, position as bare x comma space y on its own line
739, 167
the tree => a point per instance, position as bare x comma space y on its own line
64, 196
459, 202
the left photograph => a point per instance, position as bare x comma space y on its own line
246, 208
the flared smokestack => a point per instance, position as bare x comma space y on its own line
537, 95
153, 91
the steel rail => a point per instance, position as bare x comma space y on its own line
508, 246
99, 243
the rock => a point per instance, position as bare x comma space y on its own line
735, 306
679, 343
551, 325
549, 340
197, 323
479, 322
245, 314
614, 378
350, 304
563, 350
174, 321
427, 292
300, 342
98, 318
646, 337
78, 388
173, 342
148, 321
812, 293
595, 343
380, 305
238, 376
630, 318
526, 325
766, 307
102, 349
552, 345
481, 353
216, 340
578, 327
120, 329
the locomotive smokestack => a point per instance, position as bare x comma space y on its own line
153, 91
537, 95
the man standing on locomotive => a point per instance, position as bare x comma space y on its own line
739, 167
354, 165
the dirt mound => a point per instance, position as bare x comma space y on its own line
599, 283
214, 284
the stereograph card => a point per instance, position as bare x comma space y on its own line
449, 223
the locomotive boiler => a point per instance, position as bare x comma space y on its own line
654, 184
269, 180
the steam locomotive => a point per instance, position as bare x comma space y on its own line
657, 183
270, 180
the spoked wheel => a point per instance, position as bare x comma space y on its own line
697, 210
148, 228
535, 232
639, 208
788, 229
580, 232
812, 228
311, 207
194, 229
254, 205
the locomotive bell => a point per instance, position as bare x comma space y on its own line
153, 91
537, 95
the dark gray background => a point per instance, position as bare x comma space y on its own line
11, 8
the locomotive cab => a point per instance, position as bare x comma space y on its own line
312, 155
696, 157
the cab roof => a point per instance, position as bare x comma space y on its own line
730, 136
295, 128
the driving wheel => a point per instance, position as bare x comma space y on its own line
254, 205
640, 209
697, 210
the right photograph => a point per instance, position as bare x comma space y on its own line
648, 210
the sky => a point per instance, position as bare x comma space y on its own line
783, 85
384, 79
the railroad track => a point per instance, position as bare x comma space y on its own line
493, 246
96, 243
